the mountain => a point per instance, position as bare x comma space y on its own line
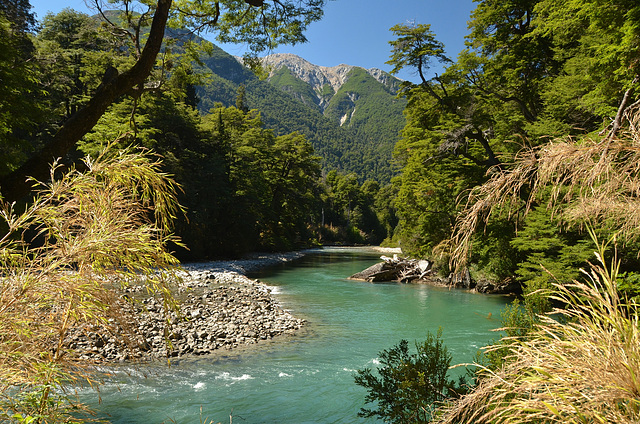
351, 115
322, 84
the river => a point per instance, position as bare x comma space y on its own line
308, 377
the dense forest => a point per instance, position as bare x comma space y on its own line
244, 187
517, 163
533, 73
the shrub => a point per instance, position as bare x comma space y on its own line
580, 369
408, 387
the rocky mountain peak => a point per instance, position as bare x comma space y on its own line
317, 76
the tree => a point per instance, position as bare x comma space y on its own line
449, 98
532, 70
19, 88
262, 24
597, 45
291, 172
73, 52
415, 47
272, 182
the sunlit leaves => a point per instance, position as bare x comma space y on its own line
63, 259
414, 47
260, 27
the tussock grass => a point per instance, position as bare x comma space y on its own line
580, 366
580, 363
591, 181
62, 261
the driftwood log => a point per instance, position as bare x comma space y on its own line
405, 270
395, 269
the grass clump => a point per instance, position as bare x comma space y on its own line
63, 261
579, 364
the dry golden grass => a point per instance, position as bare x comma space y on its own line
580, 364
63, 259
584, 368
594, 182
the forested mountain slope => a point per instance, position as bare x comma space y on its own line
350, 115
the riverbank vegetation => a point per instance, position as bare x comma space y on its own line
64, 260
524, 81
514, 161
580, 365
517, 161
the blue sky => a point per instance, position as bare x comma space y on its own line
353, 32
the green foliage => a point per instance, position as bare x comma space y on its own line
596, 45
629, 284
414, 47
261, 27
427, 196
362, 214
518, 320
361, 144
549, 253
409, 386
245, 188
495, 258
532, 70
75, 51
19, 111
579, 368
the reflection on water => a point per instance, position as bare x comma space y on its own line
308, 377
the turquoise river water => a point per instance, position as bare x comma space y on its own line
308, 377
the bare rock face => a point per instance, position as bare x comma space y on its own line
316, 76
319, 77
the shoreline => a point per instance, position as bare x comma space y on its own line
219, 309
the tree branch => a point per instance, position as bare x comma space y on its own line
617, 121
14, 186
528, 115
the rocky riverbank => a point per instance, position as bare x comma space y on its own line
219, 308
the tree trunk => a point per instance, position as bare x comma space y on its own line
14, 186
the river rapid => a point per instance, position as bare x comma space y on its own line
307, 377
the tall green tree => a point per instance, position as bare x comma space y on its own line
533, 69
354, 212
74, 53
262, 24
19, 111
597, 46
